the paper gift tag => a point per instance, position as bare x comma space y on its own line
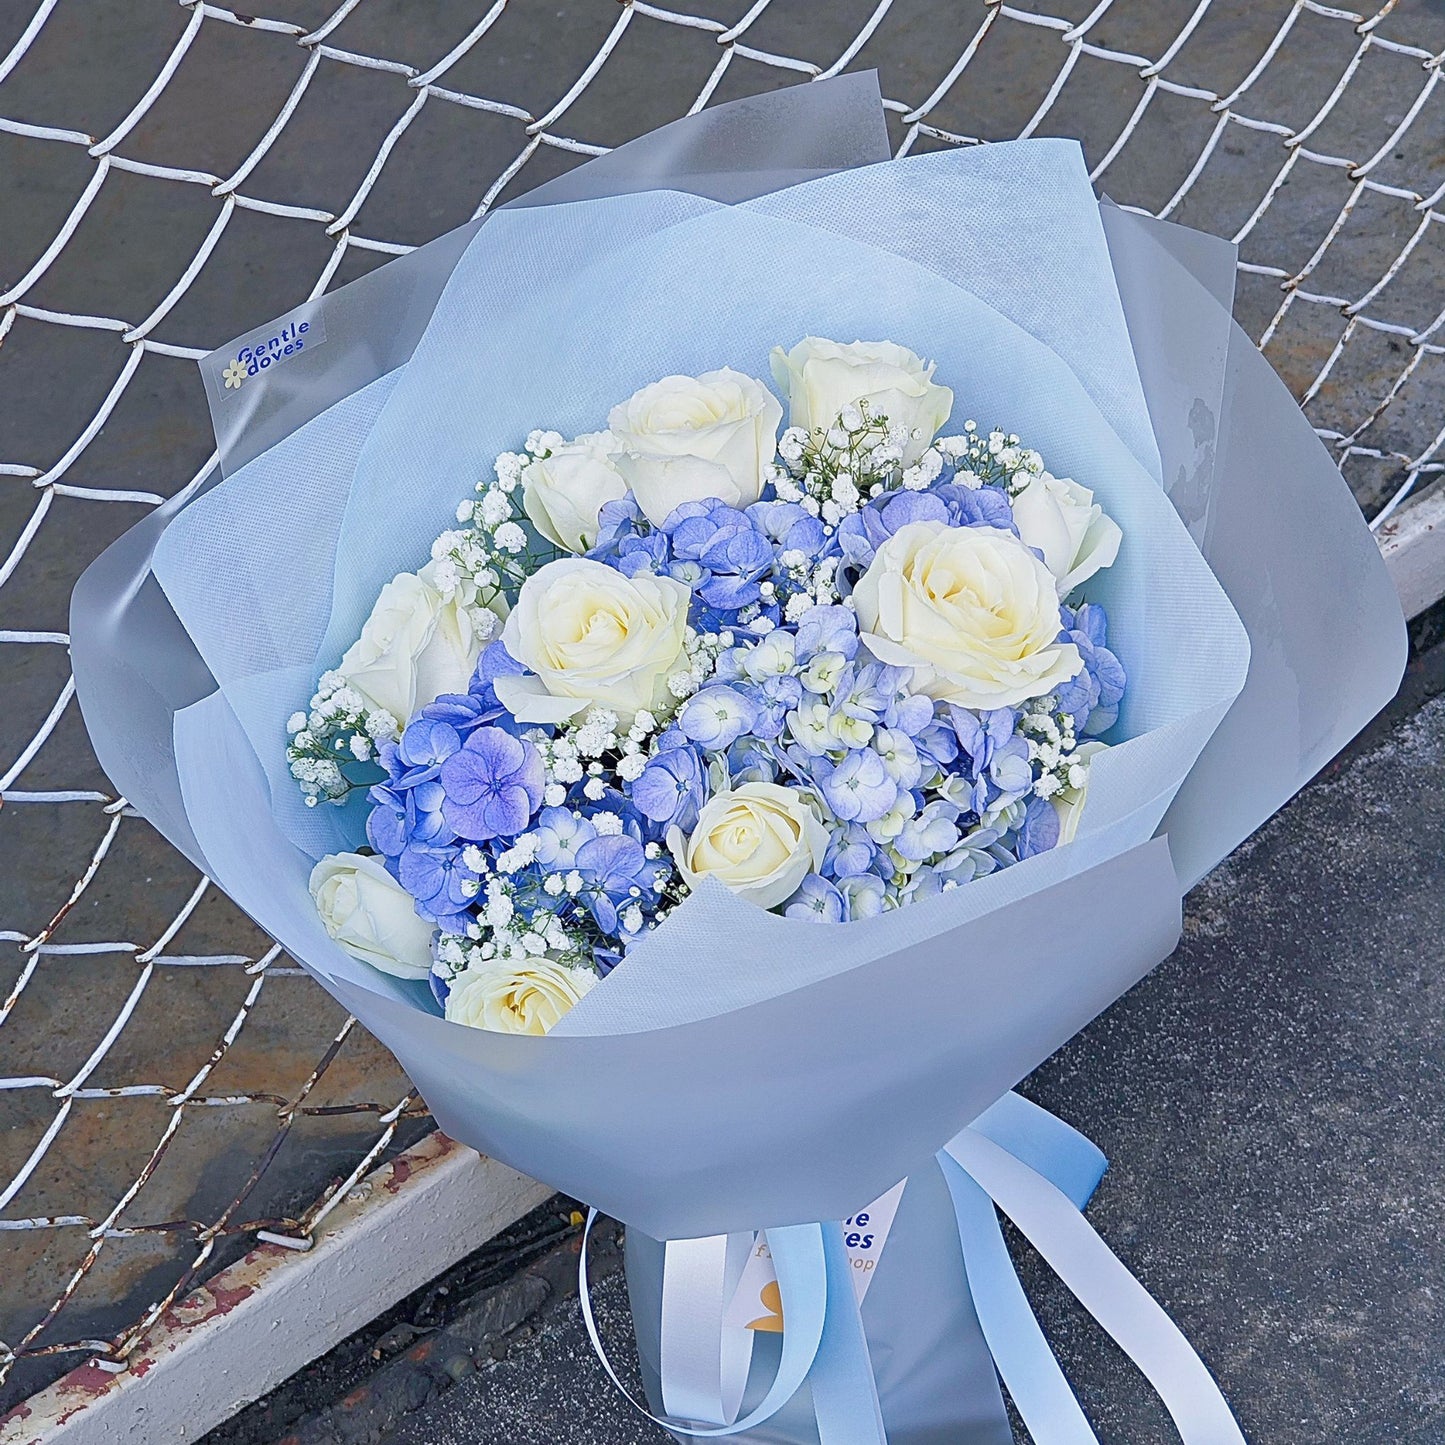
756, 1303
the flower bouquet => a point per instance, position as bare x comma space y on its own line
830, 670
717, 817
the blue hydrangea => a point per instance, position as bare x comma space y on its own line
790, 528
493, 785
861, 534
865, 895
720, 554
718, 716
1039, 830
852, 851
439, 880
933, 830
858, 789
408, 807
560, 832
817, 900
1092, 697
670, 790
617, 871
831, 629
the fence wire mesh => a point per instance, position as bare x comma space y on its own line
177, 174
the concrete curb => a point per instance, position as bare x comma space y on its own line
277, 1309
1412, 542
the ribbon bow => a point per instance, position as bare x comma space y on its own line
1016, 1158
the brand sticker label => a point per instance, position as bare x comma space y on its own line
258, 353
757, 1303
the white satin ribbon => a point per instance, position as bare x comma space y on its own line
801, 1256
1053, 1225
704, 1361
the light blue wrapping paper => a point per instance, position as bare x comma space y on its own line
703, 1090
706, 988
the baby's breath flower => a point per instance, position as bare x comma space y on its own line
510, 538
544, 443
495, 507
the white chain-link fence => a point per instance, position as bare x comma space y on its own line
1311, 134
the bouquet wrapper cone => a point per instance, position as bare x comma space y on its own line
937, 1380
688, 1111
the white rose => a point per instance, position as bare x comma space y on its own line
593, 637
1070, 802
1062, 519
685, 438
970, 609
371, 915
414, 647
563, 493
760, 839
516, 998
821, 377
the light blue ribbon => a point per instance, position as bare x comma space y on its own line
705, 1363
1066, 1158
1050, 1220
1025, 1362
1021, 1354
845, 1394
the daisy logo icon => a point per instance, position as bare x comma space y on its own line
234, 374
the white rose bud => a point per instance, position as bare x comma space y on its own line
371, 915
970, 609
563, 493
593, 637
823, 377
1069, 803
413, 648
1062, 519
686, 438
516, 998
760, 839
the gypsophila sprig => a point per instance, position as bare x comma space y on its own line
851, 675
338, 729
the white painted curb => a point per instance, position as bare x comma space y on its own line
1412, 542
261, 1320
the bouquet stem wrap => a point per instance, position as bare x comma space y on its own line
703, 1091
916, 1363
